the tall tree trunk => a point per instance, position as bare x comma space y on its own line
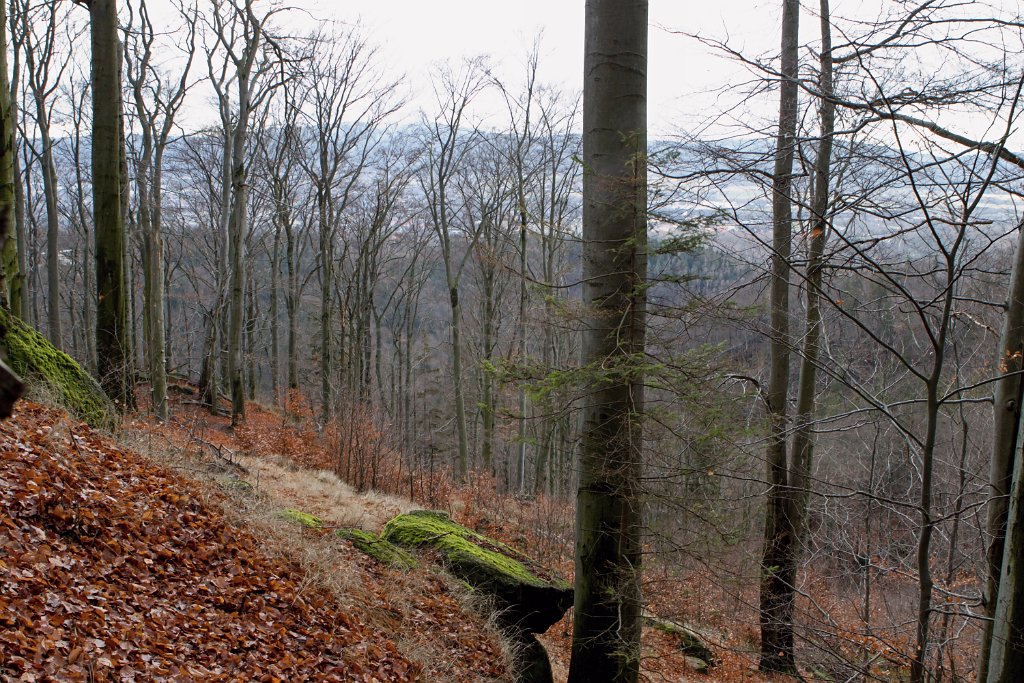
113, 362
236, 255
16, 275
250, 335
275, 332
460, 397
127, 230
1008, 395
607, 617
156, 304
8, 155
326, 310
54, 333
488, 399
778, 570
88, 263
292, 302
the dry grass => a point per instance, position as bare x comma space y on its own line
321, 493
433, 619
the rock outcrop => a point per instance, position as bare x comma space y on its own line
376, 547
527, 599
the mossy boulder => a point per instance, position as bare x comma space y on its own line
528, 598
298, 517
379, 549
37, 360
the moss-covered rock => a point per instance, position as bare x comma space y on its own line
303, 518
528, 598
37, 360
379, 549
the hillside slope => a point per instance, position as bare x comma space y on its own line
113, 567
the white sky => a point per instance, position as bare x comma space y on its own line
414, 35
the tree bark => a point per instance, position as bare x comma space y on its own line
1006, 650
778, 571
1006, 412
111, 310
607, 620
7, 178
16, 274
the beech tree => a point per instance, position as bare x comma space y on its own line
45, 64
157, 100
608, 604
445, 147
343, 102
8, 153
112, 342
778, 565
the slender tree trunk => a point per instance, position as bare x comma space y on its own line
607, 617
326, 307
154, 244
275, 332
54, 333
292, 303
88, 262
460, 398
487, 399
16, 277
250, 335
778, 570
113, 362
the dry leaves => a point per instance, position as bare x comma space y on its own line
111, 569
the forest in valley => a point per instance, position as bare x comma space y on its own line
758, 376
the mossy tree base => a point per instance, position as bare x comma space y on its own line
37, 360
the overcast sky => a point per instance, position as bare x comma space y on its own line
415, 35
686, 77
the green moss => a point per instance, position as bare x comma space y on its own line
36, 359
303, 518
476, 558
379, 549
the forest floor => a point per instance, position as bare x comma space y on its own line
160, 555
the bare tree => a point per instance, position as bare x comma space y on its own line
446, 146
240, 31
45, 63
158, 99
346, 100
